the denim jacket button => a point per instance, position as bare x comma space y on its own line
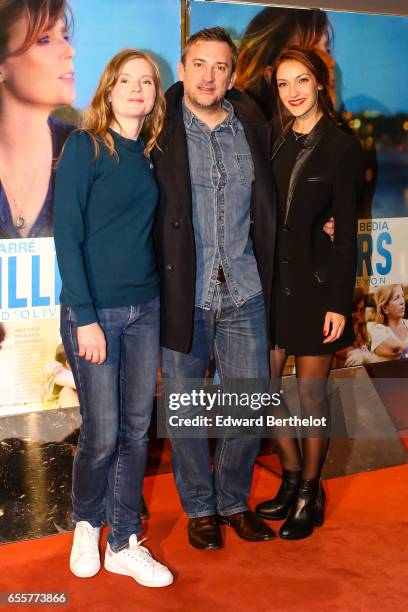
169, 268
176, 224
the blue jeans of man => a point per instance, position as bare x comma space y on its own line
238, 338
116, 400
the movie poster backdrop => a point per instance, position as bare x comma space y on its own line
34, 372
366, 56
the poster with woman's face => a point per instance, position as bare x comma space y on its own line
49, 69
366, 58
51, 58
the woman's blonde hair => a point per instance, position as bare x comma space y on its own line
100, 116
382, 296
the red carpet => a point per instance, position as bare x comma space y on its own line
356, 562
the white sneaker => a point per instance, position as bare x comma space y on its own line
85, 561
136, 561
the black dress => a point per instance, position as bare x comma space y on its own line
316, 175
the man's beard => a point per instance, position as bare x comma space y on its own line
210, 105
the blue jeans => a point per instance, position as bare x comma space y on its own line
116, 400
238, 338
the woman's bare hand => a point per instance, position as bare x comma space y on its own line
328, 227
333, 326
92, 343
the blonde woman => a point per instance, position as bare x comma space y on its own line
36, 77
105, 205
389, 332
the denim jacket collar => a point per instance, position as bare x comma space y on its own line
230, 120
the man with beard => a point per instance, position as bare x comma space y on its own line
215, 239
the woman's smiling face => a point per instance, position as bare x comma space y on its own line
134, 93
298, 89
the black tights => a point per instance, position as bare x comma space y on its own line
312, 372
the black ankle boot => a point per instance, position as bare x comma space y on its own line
307, 511
279, 507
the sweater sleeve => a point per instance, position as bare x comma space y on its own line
73, 182
347, 190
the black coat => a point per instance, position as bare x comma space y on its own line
315, 274
174, 235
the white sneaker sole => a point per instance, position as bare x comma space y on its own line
112, 567
84, 574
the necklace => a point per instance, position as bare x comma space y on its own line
20, 221
298, 135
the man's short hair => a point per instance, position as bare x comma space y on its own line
216, 34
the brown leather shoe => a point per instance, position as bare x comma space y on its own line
248, 526
204, 532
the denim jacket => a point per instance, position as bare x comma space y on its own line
221, 171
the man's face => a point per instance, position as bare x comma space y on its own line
207, 74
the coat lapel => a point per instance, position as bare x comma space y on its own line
173, 138
309, 145
279, 141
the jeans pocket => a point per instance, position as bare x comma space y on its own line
68, 314
67, 320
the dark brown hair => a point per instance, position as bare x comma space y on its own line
269, 32
360, 296
40, 15
316, 66
212, 34
2, 333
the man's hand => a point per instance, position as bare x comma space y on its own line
92, 343
328, 227
333, 326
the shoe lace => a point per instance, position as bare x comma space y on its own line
141, 554
88, 536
